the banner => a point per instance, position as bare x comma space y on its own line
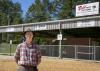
87, 9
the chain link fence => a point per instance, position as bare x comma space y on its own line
72, 51
7, 49
67, 51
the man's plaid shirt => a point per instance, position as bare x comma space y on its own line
29, 56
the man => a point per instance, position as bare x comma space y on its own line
27, 54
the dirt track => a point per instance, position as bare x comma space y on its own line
48, 64
3, 57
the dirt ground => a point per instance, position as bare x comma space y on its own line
49, 64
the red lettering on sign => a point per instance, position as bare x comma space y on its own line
81, 7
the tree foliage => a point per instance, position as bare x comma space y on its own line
10, 13
40, 11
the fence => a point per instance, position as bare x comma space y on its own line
67, 51
72, 51
7, 49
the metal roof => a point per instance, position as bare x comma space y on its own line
91, 21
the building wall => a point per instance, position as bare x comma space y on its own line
77, 41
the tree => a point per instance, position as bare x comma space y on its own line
40, 11
35, 12
17, 14
10, 14
66, 9
4, 8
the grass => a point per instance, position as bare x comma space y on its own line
55, 65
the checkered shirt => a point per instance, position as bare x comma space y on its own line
29, 56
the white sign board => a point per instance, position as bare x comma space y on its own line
10, 29
10, 41
40, 27
87, 9
86, 24
59, 37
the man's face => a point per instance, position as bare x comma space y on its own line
29, 36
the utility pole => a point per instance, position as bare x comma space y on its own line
60, 41
8, 17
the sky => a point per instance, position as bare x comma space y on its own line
24, 4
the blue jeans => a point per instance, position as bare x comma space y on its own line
27, 68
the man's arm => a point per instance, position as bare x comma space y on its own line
17, 54
38, 55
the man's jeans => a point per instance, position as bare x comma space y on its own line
27, 68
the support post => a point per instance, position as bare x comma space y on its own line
60, 41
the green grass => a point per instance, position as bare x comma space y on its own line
5, 48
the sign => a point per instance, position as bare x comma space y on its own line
10, 29
40, 27
87, 9
59, 37
86, 24
10, 41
